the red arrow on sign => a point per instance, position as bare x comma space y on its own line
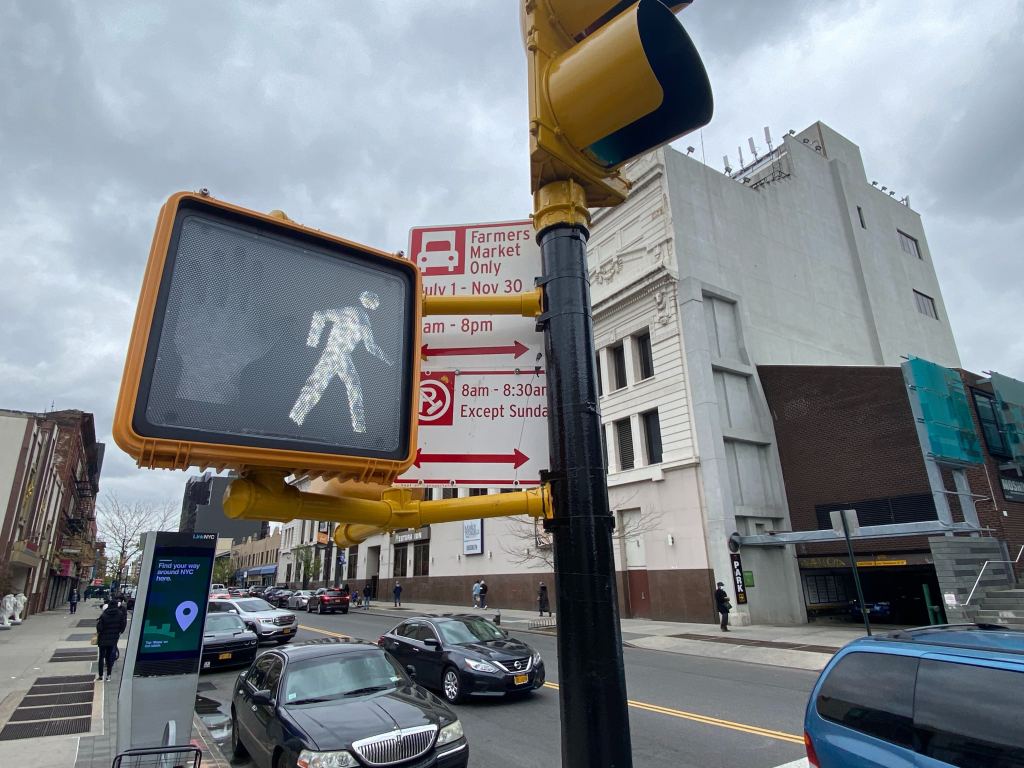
516, 350
517, 458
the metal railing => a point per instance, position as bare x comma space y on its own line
981, 573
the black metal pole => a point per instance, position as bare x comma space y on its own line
856, 577
595, 718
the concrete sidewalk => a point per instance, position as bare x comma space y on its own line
802, 646
80, 712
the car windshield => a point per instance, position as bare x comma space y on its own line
253, 604
469, 630
224, 622
341, 675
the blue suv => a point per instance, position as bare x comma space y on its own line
921, 698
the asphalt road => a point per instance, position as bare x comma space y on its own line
685, 711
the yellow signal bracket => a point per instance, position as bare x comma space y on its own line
528, 304
264, 495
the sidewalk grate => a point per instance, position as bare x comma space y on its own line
47, 699
778, 644
37, 690
205, 686
48, 713
64, 679
50, 728
91, 623
78, 637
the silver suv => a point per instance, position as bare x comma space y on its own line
268, 622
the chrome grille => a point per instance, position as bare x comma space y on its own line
516, 666
282, 620
397, 746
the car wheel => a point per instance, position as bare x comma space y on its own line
238, 749
451, 686
344, 610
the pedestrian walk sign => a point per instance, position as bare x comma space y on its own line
260, 343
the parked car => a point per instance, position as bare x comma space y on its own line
280, 598
256, 590
464, 655
227, 641
235, 591
934, 696
299, 599
878, 611
269, 593
268, 622
340, 704
328, 600
217, 586
220, 594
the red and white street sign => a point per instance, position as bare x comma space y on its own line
483, 401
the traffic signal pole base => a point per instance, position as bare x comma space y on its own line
593, 701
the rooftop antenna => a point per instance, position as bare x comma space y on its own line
768, 138
725, 162
739, 150
753, 149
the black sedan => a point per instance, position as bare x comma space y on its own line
340, 704
464, 655
227, 641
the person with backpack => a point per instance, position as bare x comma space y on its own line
109, 627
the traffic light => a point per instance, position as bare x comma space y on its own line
609, 80
260, 343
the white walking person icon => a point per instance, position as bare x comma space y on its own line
350, 326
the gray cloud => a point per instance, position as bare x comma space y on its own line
365, 119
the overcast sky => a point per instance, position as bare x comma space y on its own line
368, 118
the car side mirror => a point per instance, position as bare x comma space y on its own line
432, 642
263, 698
411, 670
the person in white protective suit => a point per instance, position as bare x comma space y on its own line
350, 326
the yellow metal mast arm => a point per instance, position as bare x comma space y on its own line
528, 304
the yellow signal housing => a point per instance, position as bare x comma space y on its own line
259, 343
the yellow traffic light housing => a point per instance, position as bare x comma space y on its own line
609, 80
260, 343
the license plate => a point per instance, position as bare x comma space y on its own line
520, 679
222, 656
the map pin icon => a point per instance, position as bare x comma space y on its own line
186, 613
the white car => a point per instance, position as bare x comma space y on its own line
268, 622
299, 599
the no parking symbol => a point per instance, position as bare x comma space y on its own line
437, 399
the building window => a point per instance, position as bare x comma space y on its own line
288, 573
991, 429
860, 215
624, 439
449, 493
645, 357
909, 244
401, 559
353, 561
824, 589
652, 436
600, 385
477, 491
421, 558
618, 356
925, 305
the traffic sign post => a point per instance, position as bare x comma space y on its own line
483, 387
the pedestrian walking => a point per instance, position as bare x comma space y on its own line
476, 593
483, 593
543, 602
366, 596
398, 594
73, 600
723, 605
109, 627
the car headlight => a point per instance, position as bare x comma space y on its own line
536, 658
340, 759
451, 732
480, 666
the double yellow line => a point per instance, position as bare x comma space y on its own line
754, 730
789, 738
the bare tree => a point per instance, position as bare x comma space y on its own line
121, 525
527, 543
307, 563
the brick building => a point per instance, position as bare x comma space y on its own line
49, 476
848, 439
